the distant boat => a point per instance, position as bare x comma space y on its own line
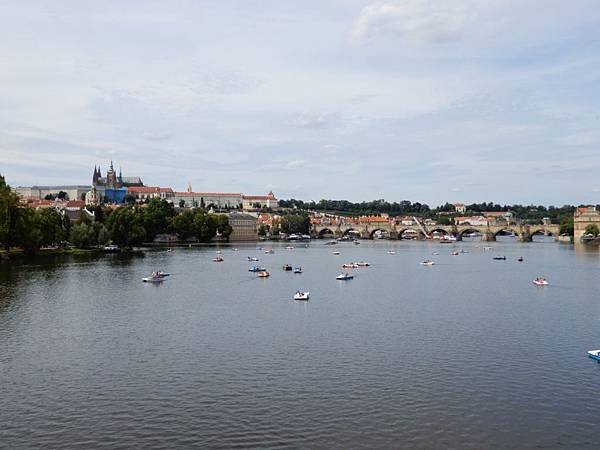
454, 253
362, 264
335, 253
540, 281
287, 267
462, 251
344, 276
594, 354
218, 252
301, 295
256, 269
289, 247
520, 259
499, 258
297, 270
350, 266
162, 274
428, 262
218, 259
435, 253
356, 242
252, 259
112, 248
169, 250
391, 252
263, 274
156, 277
269, 252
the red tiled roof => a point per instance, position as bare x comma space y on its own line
75, 204
207, 194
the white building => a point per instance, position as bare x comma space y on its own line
253, 202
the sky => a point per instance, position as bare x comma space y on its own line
425, 100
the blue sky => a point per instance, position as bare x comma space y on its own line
432, 101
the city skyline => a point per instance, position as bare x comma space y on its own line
354, 100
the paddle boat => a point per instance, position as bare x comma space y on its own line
428, 262
287, 267
289, 247
297, 269
162, 274
218, 259
218, 252
391, 252
454, 253
540, 281
356, 242
154, 278
344, 276
499, 258
520, 259
594, 354
269, 252
256, 269
169, 250
112, 248
362, 264
301, 295
263, 274
335, 253
252, 259
350, 266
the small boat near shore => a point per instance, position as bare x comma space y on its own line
218, 259
156, 277
301, 295
540, 281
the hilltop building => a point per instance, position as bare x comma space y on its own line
111, 188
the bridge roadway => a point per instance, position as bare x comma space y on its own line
524, 233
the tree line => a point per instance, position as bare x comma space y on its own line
527, 213
31, 229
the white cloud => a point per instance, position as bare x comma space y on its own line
413, 20
296, 163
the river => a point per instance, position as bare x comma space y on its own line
464, 354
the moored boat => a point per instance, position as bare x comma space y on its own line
263, 274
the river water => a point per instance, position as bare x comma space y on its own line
465, 354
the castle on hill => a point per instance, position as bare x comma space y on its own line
110, 189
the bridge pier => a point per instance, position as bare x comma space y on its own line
488, 236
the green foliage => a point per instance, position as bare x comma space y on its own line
200, 225
83, 235
181, 203
592, 229
295, 223
28, 232
156, 217
567, 225
50, 225
443, 220
124, 230
262, 230
183, 224
9, 211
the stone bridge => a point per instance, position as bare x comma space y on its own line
524, 233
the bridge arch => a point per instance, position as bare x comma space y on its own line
541, 231
439, 231
375, 230
350, 231
467, 230
404, 233
326, 231
506, 230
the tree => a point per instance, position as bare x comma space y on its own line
183, 224
9, 211
124, 230
262, 230
181, 203
83, 235
129, 199
28, 233
62, 195
222, 225
567, 225
592, 229
156, 217
50, 225
295, 224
